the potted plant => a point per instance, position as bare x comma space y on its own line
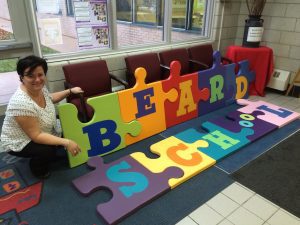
254, 24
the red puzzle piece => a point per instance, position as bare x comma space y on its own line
186, 105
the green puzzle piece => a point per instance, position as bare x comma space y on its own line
106, 108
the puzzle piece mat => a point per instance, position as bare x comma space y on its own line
125, 117
60, 180
182, 153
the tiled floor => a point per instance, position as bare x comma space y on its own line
237, 205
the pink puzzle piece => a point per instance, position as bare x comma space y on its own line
131, 184
273, 114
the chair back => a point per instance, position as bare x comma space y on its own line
93, 77
180, 54
202, 53
149, 61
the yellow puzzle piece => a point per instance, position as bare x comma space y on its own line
175, 152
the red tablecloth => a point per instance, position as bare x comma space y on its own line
260, 61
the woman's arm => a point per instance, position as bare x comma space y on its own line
30, 126
58, 96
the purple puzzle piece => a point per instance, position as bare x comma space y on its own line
221, 91
230, 82
131, 184
235, 123
244, 70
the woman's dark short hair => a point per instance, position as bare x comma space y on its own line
31, 62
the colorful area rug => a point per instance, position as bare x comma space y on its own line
61, 204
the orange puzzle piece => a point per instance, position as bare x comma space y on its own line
145, 103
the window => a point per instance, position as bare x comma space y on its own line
188, 14
6, 31
70, 7
14, 43
124, 10
197, 14
179, 13
9, 79
72, 26
8, 65
146, 19
146, 23
187, 19
148, 12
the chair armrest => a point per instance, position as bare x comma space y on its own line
67, 85
165, 67
82, 102
165, 71
229, 61
123, 82
130, 79
199, 63
84, 109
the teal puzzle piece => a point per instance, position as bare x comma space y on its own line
221, 141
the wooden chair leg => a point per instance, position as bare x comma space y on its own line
295, 80
289, 89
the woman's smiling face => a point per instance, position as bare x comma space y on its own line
34, 81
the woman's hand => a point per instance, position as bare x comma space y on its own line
76, 90
72, 147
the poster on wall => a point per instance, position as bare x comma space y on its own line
91, 24
92, 36
47, 6
51, 33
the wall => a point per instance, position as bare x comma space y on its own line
281, 31
225, 27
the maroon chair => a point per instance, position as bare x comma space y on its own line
150, 62
204, 54
181, 55
94, 79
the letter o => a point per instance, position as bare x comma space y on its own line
247, 117
245, 123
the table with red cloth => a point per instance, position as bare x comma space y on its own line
260, 61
